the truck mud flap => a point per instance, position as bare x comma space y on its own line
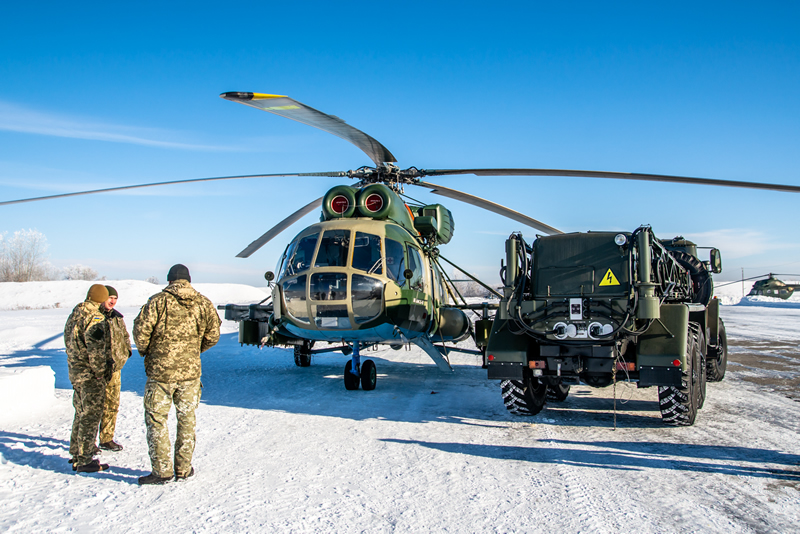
659, 376
505, 371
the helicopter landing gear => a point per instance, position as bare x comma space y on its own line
350, 377
354, 372
369, 375
302, 354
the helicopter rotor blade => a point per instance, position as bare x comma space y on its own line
613, 175
490, 206
297, 111
193, 180
280, 227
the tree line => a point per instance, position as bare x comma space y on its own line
23, 258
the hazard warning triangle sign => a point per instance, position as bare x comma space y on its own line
609, 279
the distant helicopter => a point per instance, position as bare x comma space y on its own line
772, 287
369, 272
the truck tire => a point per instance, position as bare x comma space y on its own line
702, 284
557, 393
700, 348
524, 397
717, 357
679, 404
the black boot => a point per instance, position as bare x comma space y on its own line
111, 446
184, 477
92, 467
153, 479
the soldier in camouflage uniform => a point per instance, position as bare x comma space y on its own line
120, 352
87, 341
171, 331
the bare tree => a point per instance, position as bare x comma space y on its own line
470, 288
22, 257
78, 272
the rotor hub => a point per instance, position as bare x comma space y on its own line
387, 174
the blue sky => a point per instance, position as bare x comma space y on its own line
106, 95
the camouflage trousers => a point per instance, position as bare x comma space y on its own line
111, 408
87, 398
158, 398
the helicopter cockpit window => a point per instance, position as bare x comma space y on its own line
367, 297
299, 253
333, 249
294, 294
367, 253
328, 286
415, 264
395, 261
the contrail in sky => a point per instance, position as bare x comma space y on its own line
14, 118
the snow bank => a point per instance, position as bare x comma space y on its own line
25, 392
68, 293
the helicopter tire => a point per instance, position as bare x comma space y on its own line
369, 375
302, 354
679, 405
558, 392
350, 380
717, 357
524, 397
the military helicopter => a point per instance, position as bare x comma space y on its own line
370, 273
772, 287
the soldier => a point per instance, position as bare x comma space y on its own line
87, 342
171, 331
120, 352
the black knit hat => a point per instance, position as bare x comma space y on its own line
112, 292
178, 272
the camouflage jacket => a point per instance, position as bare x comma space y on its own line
87, 340
120, 340
171, 331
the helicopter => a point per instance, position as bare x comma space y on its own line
772, 287
370, 271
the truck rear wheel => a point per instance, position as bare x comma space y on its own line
558, 392
717, 357
524, 397
679, 404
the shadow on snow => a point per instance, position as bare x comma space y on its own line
739, 461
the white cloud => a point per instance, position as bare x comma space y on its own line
14, 118
739, 243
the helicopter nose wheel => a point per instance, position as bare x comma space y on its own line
355, 372
351, 376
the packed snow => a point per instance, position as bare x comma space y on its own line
288, 449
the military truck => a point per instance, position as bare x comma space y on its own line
602, 307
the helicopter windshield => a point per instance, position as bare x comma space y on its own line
299, 254
366, 297
294, 292
367, 253
333, 249
332, 299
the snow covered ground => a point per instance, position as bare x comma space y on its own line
282, 448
